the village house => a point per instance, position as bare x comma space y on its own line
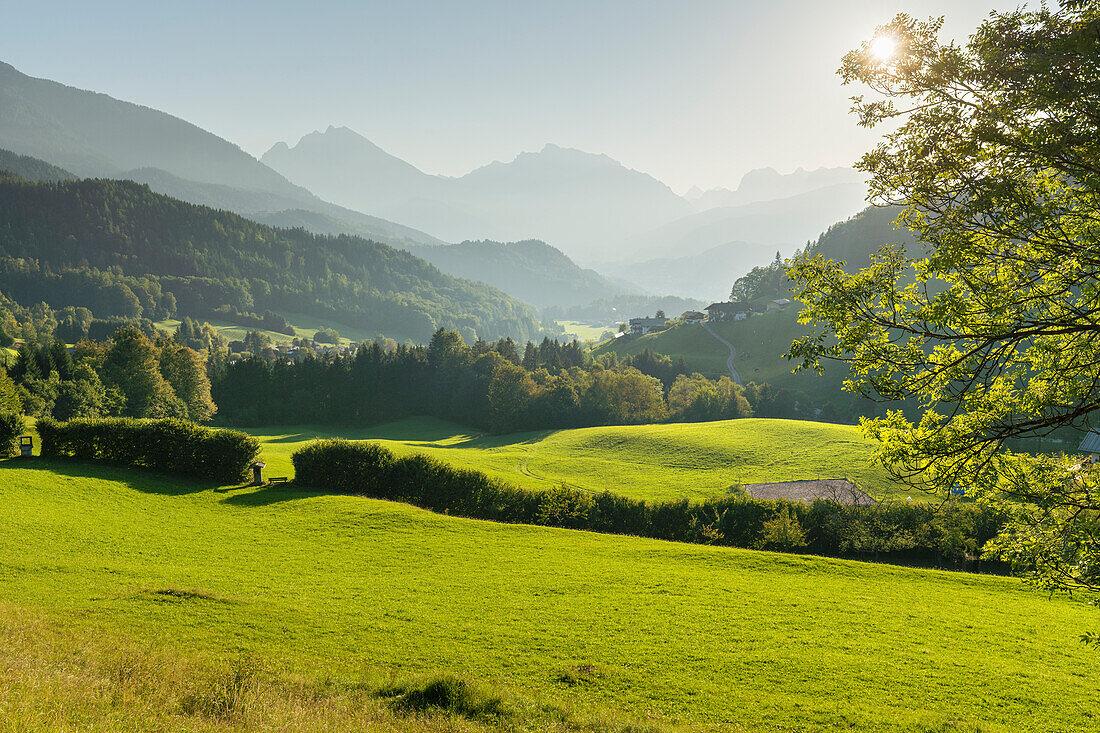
693, 317
729, 311
778, 304
642, 326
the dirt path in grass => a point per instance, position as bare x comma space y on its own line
733, 353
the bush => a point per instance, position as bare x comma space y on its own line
953, 534
168, 445
11, 427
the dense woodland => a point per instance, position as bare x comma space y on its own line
493, 386
120, 250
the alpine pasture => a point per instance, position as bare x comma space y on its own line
137, 601
652, 462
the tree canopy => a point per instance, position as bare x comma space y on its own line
992, 319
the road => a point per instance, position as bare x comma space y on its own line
733, 353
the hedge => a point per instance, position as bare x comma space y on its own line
169, 445
952, 534
11, 427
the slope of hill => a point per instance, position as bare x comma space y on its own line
66, 243
855, 240
95, 135
653, 462
577, 201
32, 169
128, 596
532, 271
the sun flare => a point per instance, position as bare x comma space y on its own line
883, 48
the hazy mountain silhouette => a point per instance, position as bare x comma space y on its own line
95, 135
576, 201
766, 184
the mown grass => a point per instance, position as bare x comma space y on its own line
261, 608
760, 342
656, 462
305, 326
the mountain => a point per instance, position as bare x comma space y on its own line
766, 184
95, 135
120, 249
577, 201
531, 271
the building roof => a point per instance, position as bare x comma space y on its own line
1091, 443
730, 307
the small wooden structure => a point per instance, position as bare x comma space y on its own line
257, 473
26, 446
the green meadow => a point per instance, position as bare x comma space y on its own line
134, 601
655, 462
760, 342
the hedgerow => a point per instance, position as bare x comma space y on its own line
953, 534
169, 445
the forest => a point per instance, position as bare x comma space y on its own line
120, 250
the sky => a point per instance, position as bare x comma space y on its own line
695, 93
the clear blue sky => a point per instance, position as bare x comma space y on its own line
694, 93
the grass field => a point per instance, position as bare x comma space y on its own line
139, 602
760, 342
693, 460
304, 327
584, 331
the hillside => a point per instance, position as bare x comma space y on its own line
32, 169
652, 462
94, 135
126, 596
67, 243
531, 271
854, 241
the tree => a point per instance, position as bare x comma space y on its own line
993, 327
184, 370
131, 366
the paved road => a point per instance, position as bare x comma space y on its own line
733, 353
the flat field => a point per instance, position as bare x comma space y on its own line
657, 462
123, 593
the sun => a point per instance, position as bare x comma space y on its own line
883, 48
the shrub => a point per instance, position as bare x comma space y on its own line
168, 445
11, 427
782, 532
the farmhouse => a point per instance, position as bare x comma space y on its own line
641, 326
693, 317
1091, 445
737, 311
778, 304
